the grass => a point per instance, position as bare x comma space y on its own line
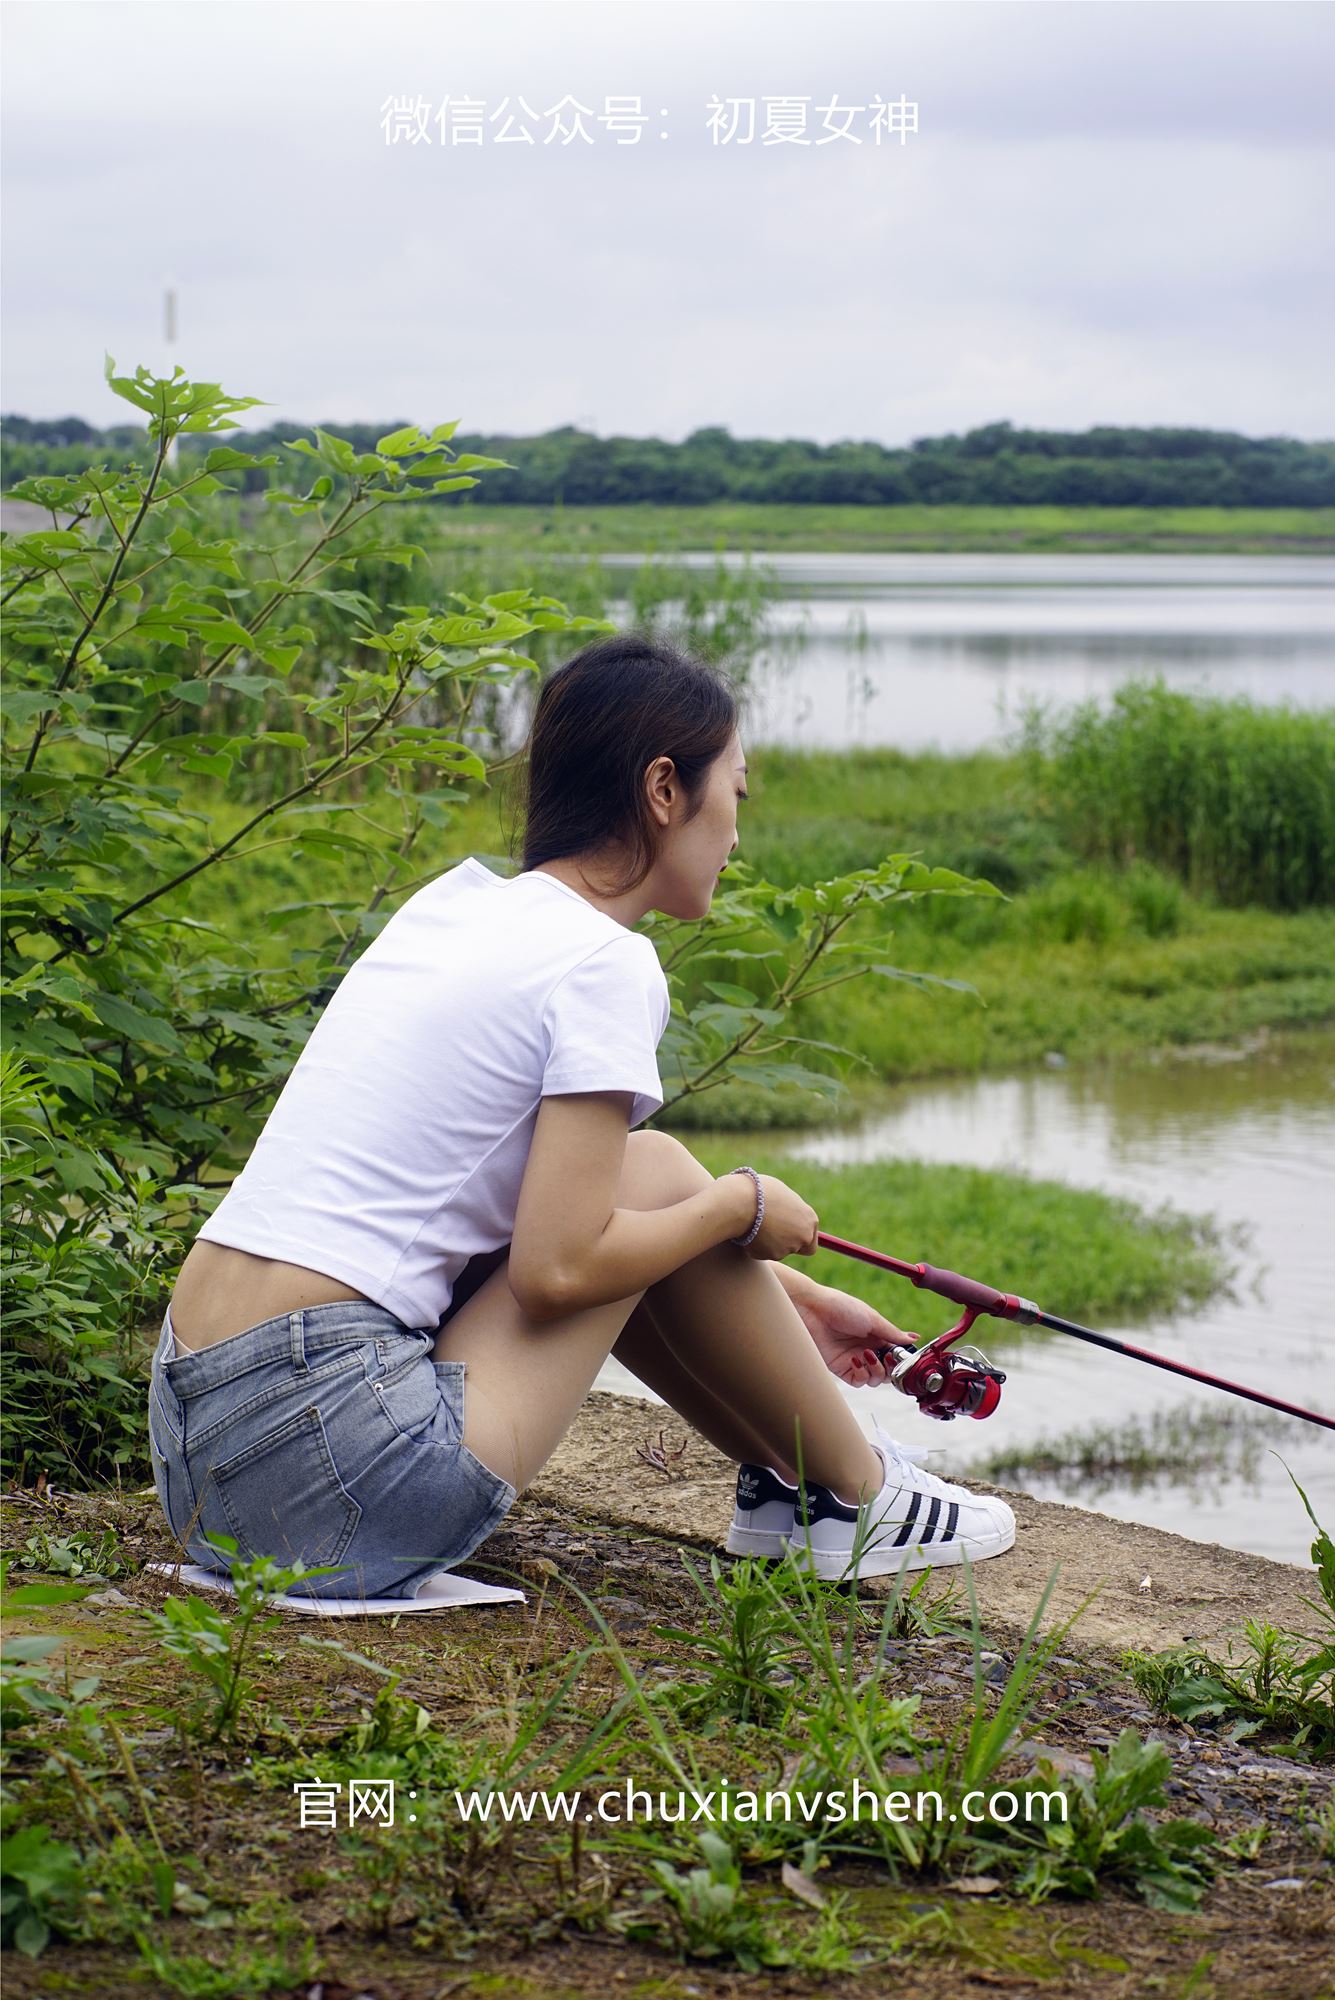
160, 1854
1103, 1257
1234, 800
760, 527
1227, 975
1275, 1683
1089, 962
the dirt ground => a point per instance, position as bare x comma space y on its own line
1194, 1589
615, 1527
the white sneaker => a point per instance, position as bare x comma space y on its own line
764, 1514
766, 1507
916, 1521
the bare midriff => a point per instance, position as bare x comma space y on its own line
221, 1291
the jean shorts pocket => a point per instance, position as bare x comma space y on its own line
407, 1388
282, 1496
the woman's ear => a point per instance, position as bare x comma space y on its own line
663, 788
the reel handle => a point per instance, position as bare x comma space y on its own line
946, 1385
941, 1341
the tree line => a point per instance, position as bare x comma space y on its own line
995, 465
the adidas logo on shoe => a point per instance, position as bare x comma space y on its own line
763, 1518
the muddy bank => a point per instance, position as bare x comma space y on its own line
615, 1533
1154, 1589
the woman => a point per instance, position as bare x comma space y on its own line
448, 1221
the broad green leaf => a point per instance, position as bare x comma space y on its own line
223, 632
164, 1886
337, 451
226, 458
43, 1593
43, 542
738, 995
925, 979
31, 1645
22, 706
281, 658
409, 438
130, 388
248, 684
125, 1018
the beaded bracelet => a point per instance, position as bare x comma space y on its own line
754, 1230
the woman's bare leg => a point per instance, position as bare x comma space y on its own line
643, 1350
724, 1317
526, 1378
729, 1322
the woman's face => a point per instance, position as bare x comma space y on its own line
696, 852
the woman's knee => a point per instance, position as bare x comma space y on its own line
659, 1170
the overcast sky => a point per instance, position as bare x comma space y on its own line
1111, 212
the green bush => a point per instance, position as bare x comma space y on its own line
1074, 907
1154, 899
1279, 1682
144, 654
1235, 800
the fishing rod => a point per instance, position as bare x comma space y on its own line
947, 1381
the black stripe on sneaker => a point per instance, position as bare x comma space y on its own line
952, 1515
933, 1516
914, 1503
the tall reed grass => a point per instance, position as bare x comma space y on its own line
1236, 800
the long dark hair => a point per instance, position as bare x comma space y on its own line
599, 722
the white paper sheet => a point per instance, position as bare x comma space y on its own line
442, 1592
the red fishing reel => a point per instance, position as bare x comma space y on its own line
946, 1381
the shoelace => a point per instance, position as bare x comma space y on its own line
902, 1457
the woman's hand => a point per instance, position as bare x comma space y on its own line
847, 1332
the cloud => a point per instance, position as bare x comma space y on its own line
1110, 213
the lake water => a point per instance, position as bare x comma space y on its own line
1249, 1139
942, 651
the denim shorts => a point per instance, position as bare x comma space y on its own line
327, 1435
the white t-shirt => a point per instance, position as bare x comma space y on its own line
396, 1149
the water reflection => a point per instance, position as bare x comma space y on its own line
810, 572
1199, 1451
944, 651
